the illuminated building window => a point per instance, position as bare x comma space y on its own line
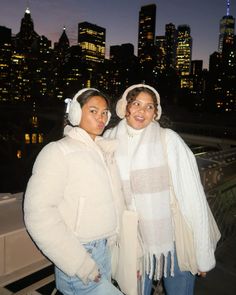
27, 138
34, 138
35, 121
88, 83
19, 154
40, 137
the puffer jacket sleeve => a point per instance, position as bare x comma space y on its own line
191, 197
42, 218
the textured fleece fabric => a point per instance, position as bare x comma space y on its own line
73, 197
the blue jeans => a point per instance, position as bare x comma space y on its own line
73, 285
181, 284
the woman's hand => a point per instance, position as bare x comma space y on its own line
97, 278
138, 275
202, 274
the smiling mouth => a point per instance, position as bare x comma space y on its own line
139, 119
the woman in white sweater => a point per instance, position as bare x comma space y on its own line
73, 203
152, 162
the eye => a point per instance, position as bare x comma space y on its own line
150, 107
93, 111
105, 113
135, 103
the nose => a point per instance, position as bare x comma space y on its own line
142, 108
100, 117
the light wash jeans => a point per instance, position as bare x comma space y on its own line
181, 284
73, 285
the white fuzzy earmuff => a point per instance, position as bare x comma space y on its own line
122, 102
108, 118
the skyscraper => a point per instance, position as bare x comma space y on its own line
184, 54
146, 33
27, 36
63, 40
161, 53
92, 38
5, 63
170, 35
227, 24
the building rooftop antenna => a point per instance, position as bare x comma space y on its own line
228, 5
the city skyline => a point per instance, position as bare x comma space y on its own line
50, 16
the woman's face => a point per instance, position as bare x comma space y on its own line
141, 111
94, 116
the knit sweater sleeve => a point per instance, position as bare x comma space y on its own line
191, 197
42, 218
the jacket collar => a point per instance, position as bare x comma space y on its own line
106, 145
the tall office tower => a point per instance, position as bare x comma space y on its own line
42, 69
161, 53
227, 48
146, 32
61, 49
196, 67
122, 52
227, 24
74, 71
198, 84
229, 52
26, 37
184, 54
215, 81
170, 35
124, 68
215, 65
92, 39
21, 79
5, 35
5, 63
63, 42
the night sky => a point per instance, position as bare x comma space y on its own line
120, 19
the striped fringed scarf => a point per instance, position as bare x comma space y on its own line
145, 178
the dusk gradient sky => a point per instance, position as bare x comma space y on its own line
120, 19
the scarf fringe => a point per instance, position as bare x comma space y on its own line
156, 266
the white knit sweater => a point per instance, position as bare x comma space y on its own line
191, 197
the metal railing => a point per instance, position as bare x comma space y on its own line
222, 201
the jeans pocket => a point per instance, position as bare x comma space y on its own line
70, 284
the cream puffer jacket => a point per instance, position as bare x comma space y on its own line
73, 197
